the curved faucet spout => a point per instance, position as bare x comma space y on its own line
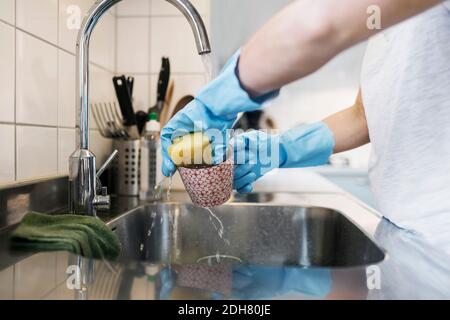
82, 68
196, 22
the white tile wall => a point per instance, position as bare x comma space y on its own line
133, 45
173, 37
37, 152
101, 88
39, 18
143, 88
66, 146
36, 81
134, 8
7, 57
100, 146
7, 10
66, 90
169, 34
160, 7
7, 145
71, 13
103, 43
37, 95
37, 87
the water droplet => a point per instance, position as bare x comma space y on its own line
169, 188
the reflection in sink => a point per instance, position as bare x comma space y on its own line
254, 234
253, 197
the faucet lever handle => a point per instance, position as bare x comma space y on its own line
102, 200
107, 163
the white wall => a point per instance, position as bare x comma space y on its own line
234, 21
331, 89
149, 30
37, 86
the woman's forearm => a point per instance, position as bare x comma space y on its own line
308, 33
349, 127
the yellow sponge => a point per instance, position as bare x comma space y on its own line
191, 149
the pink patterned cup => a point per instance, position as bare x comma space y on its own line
209, 186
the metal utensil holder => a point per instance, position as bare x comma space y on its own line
126, 171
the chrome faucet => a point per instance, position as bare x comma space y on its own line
84, 197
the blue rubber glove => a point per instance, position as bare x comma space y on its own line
260, 282
166, 284
257, 152
213, 111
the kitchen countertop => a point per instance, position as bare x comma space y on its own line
412, 269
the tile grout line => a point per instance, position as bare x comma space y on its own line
28, 33
40, 126
116, 43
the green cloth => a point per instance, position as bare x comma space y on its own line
82, 235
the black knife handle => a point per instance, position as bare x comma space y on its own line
130, 83
163, 81
124, 98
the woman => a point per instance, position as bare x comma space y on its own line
403, 106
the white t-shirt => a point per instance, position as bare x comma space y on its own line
406, 92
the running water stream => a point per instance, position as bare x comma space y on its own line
169, 187
207, 65
160, 187
215, 220
219, 227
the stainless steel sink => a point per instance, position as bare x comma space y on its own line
254, 234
